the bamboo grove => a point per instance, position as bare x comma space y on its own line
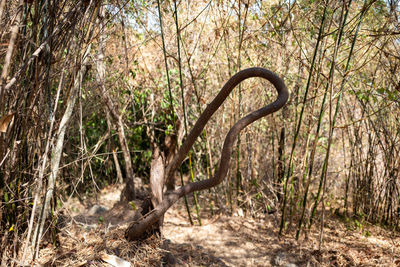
90, 89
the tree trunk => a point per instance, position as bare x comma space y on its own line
157, 170
128, 193
171, 148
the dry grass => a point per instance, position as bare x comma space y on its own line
224, 241
85, 248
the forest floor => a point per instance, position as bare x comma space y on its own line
221, 241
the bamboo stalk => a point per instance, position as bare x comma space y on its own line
57, 150
309, 164
329, 84
2, 5
296, 135
10, 49
333, 122
178, 37
171, 99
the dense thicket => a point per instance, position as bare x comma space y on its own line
86, 98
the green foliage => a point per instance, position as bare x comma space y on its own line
254, 182
367, 233
133, 205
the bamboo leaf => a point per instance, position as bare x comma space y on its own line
5, 121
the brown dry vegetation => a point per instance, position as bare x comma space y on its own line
221, 241
86, 98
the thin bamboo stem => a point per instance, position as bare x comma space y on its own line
171, 99
291, 164
329, 84
178, 37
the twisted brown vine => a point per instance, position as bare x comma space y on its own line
137, 228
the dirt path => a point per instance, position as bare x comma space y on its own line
239, 241
221, 241
224, 241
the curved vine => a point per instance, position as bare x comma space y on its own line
137, 228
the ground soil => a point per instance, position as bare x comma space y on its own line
221, 241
